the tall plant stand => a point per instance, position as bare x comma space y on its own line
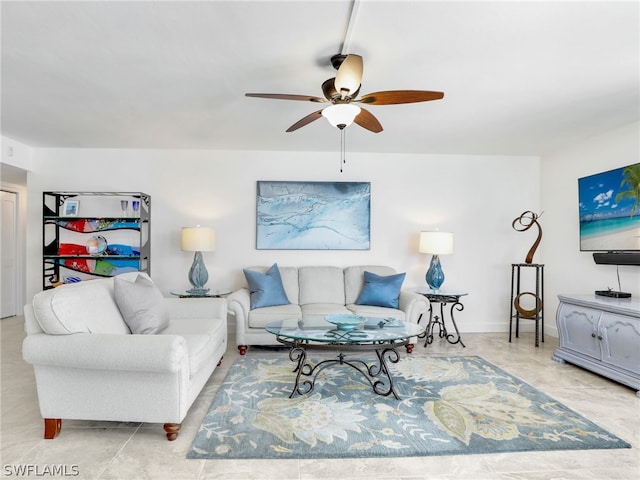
517, 311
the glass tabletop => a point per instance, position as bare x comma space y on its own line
209, 294
440, 293
371, 331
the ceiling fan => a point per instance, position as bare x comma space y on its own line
342, 92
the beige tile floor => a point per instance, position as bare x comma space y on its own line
106, 450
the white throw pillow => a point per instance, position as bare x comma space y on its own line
83, 307
141, 304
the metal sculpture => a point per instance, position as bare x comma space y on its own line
526, 313
525, 221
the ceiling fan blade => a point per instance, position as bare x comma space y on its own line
349, 76
394, 97
305, 121
285, 96
366, 120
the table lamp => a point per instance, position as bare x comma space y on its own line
435, 243
198, 239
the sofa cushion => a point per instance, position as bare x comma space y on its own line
141, 304
289, 276
266, 289
259, 317
321, 310
321, 285
381, 291
354, 279
84, 307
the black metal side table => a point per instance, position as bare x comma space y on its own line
443, 298
517, 311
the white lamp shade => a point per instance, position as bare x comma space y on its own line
349, 75
198, 239
436, 243
341, 115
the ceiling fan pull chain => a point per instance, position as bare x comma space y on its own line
341, 149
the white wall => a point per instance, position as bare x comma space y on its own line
15, 153
569, 270
475, 197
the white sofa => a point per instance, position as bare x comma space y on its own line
316, 291
89, 366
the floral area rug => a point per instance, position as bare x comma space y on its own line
448, 406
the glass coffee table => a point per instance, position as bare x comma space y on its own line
382, 336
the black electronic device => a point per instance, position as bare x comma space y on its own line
617, 258
613, 294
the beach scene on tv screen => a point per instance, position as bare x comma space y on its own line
610, 210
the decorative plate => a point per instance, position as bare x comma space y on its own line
71, 279
345, 321
96, 245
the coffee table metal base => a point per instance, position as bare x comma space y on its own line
374, 335
307, 373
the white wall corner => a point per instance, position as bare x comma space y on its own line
16, 154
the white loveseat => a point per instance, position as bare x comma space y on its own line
89, 366
314, 292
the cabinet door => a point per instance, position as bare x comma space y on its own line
620, 341
579, 329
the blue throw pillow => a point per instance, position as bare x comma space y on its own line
381, 291
266, 288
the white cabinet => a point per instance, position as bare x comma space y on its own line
602, 335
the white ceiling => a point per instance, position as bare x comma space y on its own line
519, 77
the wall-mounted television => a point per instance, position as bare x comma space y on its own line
610, 212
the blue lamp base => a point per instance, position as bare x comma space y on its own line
435, 275
198, 275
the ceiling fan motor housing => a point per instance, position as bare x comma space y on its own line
331, 94
337, 60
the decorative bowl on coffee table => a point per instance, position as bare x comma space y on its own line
345, 321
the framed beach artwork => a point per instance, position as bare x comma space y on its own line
313, 215
70, 208
609, 205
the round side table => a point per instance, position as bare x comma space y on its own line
443, 298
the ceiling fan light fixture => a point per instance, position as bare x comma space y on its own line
343, 89
349, 76
341, 115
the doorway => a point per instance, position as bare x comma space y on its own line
9, 254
